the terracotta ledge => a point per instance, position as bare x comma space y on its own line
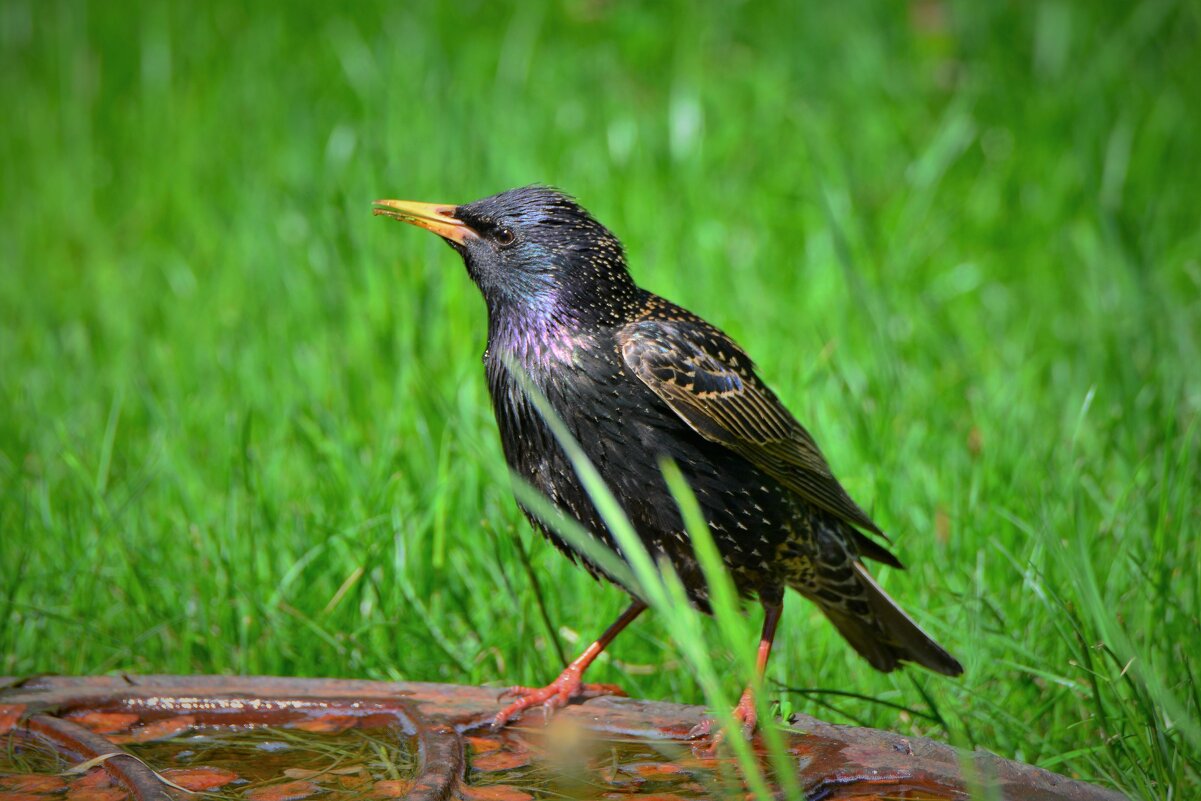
607, 747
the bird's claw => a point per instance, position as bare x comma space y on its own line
744, 714
515, 690
553, 696
702, 729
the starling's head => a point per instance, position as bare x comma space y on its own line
532, 249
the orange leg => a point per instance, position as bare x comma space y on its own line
568, 685
745, 712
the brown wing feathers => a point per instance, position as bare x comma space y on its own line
707, 380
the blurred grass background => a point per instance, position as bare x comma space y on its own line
244, 428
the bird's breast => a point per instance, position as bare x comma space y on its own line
626, 432
583, 379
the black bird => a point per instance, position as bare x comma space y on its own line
638, 379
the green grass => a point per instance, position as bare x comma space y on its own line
243, 424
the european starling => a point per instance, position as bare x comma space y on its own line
637, 379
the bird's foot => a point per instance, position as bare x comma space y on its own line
553, 696
745, 715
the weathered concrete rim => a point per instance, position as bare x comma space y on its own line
217, 700
833, 760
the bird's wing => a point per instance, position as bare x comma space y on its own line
710, 383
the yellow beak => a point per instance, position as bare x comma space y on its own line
436, 217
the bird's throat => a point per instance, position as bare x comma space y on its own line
535, 338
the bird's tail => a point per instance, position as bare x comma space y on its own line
886, 635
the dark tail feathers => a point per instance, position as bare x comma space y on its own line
888, 636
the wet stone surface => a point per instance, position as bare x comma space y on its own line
561, 762
333, 757
162, 738
283, 764
31, 771
330, 756
567, 761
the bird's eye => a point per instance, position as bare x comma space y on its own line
505, 237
